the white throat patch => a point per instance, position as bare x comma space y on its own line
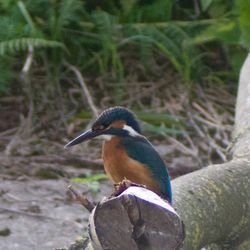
130, 130
106, 137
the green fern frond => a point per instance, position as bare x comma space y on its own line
105, 24
109, 38
147, 11
165, 41
68, 10
21, 44
225, 30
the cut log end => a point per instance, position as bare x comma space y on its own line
136, 219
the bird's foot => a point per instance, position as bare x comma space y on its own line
120, 187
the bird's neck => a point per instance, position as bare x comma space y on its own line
106, 138
110, 147
110, 143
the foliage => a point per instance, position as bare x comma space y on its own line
90, 178
19, 44
243, 8
102, 38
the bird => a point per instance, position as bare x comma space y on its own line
126, 153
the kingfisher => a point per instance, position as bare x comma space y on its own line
126, 153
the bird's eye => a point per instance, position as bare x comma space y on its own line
99, 127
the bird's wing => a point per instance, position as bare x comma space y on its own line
141, 150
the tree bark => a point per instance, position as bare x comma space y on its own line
214, 202
241, 137
136, 219
214, 205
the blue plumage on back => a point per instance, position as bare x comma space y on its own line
141, 150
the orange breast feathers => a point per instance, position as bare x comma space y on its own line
118, 166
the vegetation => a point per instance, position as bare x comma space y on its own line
102, 38
121, 48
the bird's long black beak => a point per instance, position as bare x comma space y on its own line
87, 135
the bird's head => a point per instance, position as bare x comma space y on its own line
113, 121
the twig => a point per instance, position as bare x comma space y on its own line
82, 199
25, 124
14, 140
28, 62
182, 148
197, 8
204, 112
194, 125
84, 88
8, 132
216, 147
11, 210
69, 159
135, 97
208, 123
206, 135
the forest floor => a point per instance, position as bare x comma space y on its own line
40, 213
36, 209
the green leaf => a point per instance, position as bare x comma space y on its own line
89, 179
21, 44
161, 130
244, 21
157, 117
205, 4
219, 8
224, 30
128, 5
27, 16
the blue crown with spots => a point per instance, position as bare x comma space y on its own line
117, 113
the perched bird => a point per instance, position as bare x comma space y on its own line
126, 152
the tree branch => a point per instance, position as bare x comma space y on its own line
82, 199
214, 202
241, 138
84, 88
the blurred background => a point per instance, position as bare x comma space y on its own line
174, 63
